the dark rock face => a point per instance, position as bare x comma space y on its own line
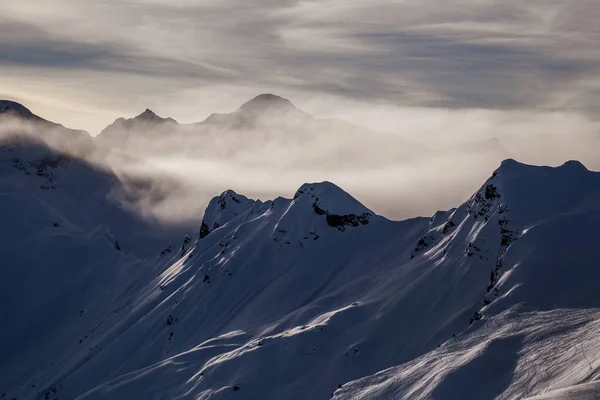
204, 230
482, 203
448, 227
491, 192
225, 196
508, 235
342, 221
318, 209
422, 244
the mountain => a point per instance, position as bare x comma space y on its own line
70, 249
16, 119
146, 125
262, 111
312, 297
588, 391
16, 109
265, 123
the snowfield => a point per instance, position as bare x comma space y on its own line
305, 298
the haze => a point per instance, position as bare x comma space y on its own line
471, 81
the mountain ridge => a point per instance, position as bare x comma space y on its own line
361, 307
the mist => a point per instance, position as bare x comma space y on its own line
400, 162
407, 106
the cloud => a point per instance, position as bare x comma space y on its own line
25, 45
462, 54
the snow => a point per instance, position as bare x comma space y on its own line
588, 391
309, 297
330, 198
224, 208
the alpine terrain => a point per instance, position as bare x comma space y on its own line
310, 297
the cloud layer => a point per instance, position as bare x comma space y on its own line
537, 55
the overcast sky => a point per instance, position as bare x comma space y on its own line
84, 63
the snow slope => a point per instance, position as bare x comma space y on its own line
70, 255
537, 322
317, 296
588, 391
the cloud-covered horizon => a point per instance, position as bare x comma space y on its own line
87, 63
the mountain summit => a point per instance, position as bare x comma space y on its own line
265, 111
21, 122
12, 107
150, 115
142, 126
267, 102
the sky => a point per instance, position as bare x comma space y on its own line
84, 63
437, 73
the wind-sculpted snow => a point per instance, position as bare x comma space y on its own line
317, 296
586, 391
513, 356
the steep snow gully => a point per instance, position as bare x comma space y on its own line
305, 298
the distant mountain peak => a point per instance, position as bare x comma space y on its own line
144, 122
511, 167
149, 115
14, 107
574, 165
267, 101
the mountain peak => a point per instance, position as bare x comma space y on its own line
330, 198
574, 165
14, 107
267, 101
144, 122
222, 209
511, 167
149, 115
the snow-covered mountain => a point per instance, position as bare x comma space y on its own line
302, 298
16, 119
70, 251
